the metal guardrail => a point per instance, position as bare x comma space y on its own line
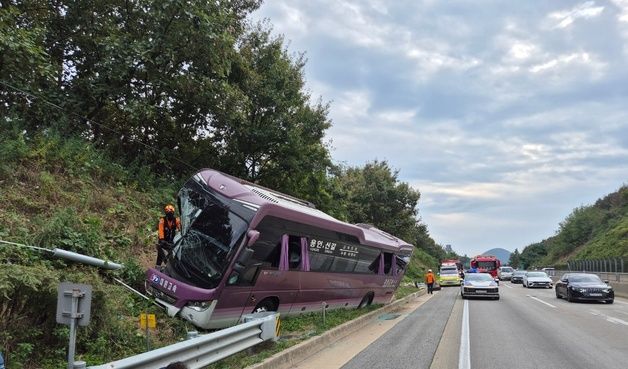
206, 349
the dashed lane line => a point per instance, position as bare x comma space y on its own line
508, 286
464, 356
541, 301
609, 318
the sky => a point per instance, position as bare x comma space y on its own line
505, 115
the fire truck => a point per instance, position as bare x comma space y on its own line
486, 264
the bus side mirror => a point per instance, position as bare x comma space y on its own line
253, 235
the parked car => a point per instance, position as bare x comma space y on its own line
584, 286
517, 276
537, 279
479, 285
504, 273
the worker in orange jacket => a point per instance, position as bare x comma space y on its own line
429, 280
168, 226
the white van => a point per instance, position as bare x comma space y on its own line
504, 273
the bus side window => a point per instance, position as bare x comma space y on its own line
266, 252
402, 262
368, 261
320, 262
343, 265
294, 252
387, 262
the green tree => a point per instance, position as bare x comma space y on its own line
271, 133
24, 63
532, 255
145, 74
514, 259
375, 196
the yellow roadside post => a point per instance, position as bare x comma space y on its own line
148, 322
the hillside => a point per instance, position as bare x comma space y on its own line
589, 232
502, 254
60, 192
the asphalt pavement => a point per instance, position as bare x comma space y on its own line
413, 341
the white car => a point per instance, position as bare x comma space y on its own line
505, 273
537, 279
479, 285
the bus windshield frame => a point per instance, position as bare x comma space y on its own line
211, 233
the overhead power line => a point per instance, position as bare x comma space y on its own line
102, 125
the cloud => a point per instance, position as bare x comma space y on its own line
585, 10
504, 117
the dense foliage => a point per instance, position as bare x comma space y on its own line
589, 232
105, 108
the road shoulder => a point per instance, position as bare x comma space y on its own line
337, 346
446, 356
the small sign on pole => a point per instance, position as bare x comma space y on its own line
74, 302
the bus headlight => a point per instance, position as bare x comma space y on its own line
199, 305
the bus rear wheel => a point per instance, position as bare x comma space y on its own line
268, 304
366, 300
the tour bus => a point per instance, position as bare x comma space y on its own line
245, 248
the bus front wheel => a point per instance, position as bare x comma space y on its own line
366, 300
268, 304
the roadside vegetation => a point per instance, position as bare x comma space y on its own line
63, 193
595, 231
105, 109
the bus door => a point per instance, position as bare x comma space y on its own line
277, 285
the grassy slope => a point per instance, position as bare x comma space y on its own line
61, 193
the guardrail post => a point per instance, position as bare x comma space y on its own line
191, 334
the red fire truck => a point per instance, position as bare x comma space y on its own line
486, 264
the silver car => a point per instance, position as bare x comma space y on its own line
479, 285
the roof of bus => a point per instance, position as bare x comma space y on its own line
269, 202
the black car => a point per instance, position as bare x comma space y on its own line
517, 276
584, 286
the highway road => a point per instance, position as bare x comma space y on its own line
526, 328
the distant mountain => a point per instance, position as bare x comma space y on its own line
502, 254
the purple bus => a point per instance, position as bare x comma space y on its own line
244, 248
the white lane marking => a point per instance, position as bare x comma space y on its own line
621, 302
508, 286
464, 357
609, 318
542, 302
